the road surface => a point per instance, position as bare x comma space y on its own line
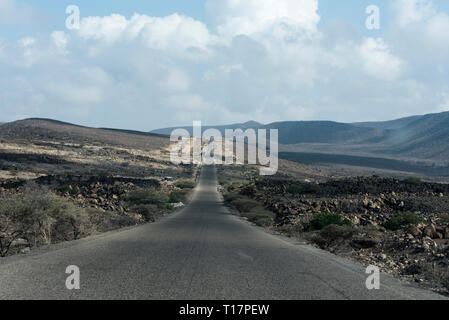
201, 252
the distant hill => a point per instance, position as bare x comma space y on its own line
294, 132
221, 128
419, 137
391, 125
425, 137
323, 132
48, 129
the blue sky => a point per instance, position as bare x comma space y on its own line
53, 15
53, 12
222, 61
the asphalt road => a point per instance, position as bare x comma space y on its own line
201, 252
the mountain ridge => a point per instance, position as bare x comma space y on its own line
39, 129
423, 137
419, 137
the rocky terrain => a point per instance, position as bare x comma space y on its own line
97, 180
401, 226
71, 181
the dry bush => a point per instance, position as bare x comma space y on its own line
146, 210
260, 216
39, 217
185, 184
244, 205
333, 235
104, 221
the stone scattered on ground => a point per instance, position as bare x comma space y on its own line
418, 251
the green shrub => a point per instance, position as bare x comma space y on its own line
178, 196
401, 220
146, 196
103, 175
250, 209
185, 184
296, 189
414, 180
322, 220
174, 197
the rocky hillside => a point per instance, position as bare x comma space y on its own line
51, 130
77, 181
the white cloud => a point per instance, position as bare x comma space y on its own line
412, 11
421, 33
29, 51
379, 61
172, 33
176, 81
60, 40
248, 17
437, 29
265, 60
444, 105
107, 29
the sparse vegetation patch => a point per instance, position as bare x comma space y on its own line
322, 220
413, 180
296, 189
402, 219
185, 184
38, 217
147, 197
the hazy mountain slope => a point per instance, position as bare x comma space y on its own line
323, 132
46, 129
421, 137
222, 128
388, 125
301, 131
426, 137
